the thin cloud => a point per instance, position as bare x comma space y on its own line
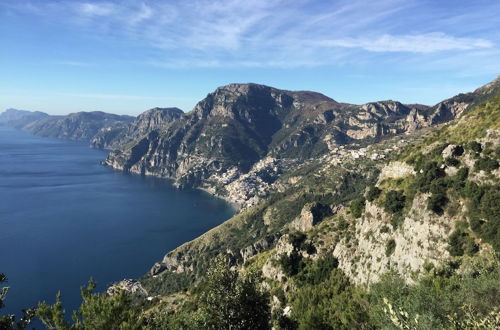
266, 33
424, 43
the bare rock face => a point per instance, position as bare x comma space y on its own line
422, 238
311, 214
395, 170
238, 126
148, 121
130, 286
258, 247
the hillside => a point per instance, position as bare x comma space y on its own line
81, 126
381, 215
409, 209
242, 133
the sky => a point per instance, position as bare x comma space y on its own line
128, 56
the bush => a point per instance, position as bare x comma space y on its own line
8, 322
390, 247
291, 264
474, 146
373, 193
450, 161
430, 172
97, 311
485, 164
330, 304
436, 202
357, 207
394, 201
437, 298
297, 239
318, 271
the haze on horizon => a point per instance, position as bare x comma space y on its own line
128, 56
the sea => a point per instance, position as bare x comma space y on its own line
65, 218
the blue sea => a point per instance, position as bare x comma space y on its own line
64, 218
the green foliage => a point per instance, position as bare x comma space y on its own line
461, 242
167, 282
8, 322
390, 247
483, 203
291, 264
97, 311
486, 164
450, 161
331, 303
297, 238
318, 271
231, 301
394, 201
357, 207
438, 198
474, 146
437, 300
430, 172
373, 193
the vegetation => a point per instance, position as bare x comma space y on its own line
8, 322
97, 311
391, 246
440, 300
373, 193
357, 207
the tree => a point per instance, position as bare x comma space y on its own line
232, 301
97, 311
8, 322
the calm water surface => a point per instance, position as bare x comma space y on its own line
65, 218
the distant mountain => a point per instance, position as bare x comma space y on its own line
20, 118
111, 137
81, 126
239, 125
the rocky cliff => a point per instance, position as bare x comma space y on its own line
111, 137
234, 129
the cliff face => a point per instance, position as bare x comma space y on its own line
233, 130
238, 125
405, 204
111, 137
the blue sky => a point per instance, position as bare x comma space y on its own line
128, 56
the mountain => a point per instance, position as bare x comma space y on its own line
81, 126
20, 118
382, 215
240, 128
153, 119
407, 227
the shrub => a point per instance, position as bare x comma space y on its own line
486, 164
291, 264
474, 146
394, 201
430, 172
318, 271
373, 193
390, 247
436, 202
357, 207
330, 304
297, 239
450, 161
